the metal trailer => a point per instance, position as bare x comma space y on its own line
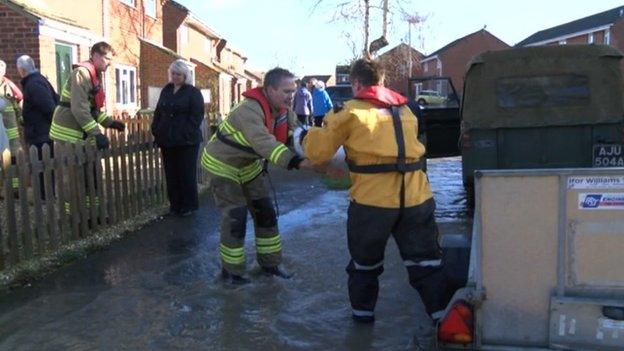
547, 265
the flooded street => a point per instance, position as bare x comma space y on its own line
159, 289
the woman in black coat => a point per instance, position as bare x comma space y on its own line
176, 129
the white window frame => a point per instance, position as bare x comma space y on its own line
563, 42
149, 6
131, 90
607, 37
184, 34
590, 38
131, 3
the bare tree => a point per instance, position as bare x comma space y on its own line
362, 13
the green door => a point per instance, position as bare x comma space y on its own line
63, 64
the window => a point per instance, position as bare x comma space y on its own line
426, 69
607, 37
150, 7
128, 2
562, 42
125, 84
183, 34
590, 38
544, 91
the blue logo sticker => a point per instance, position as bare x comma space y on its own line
591, 201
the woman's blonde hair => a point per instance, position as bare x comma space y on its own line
181, 67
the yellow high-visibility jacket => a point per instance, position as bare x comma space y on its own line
367, 134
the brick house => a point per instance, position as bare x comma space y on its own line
222, 75
451, 59
58, 33
602, 28
397, 68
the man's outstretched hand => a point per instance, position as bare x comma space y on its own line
332, 172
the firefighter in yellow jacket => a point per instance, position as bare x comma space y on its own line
390, 193
82, 100
255, 130
81, 107
10, 114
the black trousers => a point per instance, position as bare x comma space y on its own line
318, 121
181, 172
304, 119
416, 234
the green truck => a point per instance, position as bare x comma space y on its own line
542, 107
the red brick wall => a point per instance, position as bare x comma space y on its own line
127, 24
206, 78
396, 66
18, 36
173, 18
455, 58
580, 39
617, 38
153, 69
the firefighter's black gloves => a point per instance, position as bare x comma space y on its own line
294, 162
119, 126
101, 142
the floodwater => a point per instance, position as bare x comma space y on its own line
159, 289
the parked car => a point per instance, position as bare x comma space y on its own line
430, 97
543, 107
439, 122
339, 94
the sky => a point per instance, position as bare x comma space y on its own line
293, 35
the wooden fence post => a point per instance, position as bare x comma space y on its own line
108, 180
123, 152
48, 184
27, 234
10, 214
36, 168
92, 198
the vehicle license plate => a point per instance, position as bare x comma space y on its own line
608, 155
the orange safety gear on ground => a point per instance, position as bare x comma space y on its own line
457, 326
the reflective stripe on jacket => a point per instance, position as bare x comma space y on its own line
245, 126
80, 120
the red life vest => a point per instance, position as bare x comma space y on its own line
278, 127
17, 94
97, 93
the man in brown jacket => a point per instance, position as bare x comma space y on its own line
255, 130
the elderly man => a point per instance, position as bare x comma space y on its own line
40, 99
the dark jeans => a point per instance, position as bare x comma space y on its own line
318, 121
304, 119
39, 147
181, 172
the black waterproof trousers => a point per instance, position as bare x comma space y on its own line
416, 234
